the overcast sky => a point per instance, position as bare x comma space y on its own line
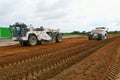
68, 15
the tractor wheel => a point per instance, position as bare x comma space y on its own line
22, 43
32, 41
58, 38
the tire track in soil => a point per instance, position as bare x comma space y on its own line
52, 64
114, 67
94, 66
13, 59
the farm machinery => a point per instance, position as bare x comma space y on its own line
99, 33
30, 36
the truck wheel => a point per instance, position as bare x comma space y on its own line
32, 40
59, 38
22, 43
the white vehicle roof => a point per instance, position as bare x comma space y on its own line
98, 30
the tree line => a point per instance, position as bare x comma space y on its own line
85, 32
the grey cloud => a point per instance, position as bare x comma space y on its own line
7, 7
43, 7
55, 11
63, 13
53, 16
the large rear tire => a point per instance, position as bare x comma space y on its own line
32, 41
58, 38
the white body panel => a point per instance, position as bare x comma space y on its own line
99, 31
41, 35
20, 38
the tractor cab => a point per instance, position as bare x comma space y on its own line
18, 29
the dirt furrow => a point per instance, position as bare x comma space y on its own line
50, 64
114, 67
94, 66
10, 60
98, 60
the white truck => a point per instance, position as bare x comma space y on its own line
99, 33
29, 36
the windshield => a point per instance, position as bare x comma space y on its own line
15, 30
18, 28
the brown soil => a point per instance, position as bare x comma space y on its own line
73, 59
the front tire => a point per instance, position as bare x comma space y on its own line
32, 41
58, 38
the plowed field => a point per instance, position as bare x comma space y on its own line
72, 59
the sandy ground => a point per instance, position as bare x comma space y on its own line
72, 59
118, 77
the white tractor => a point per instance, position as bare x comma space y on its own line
99, 33
29, 36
